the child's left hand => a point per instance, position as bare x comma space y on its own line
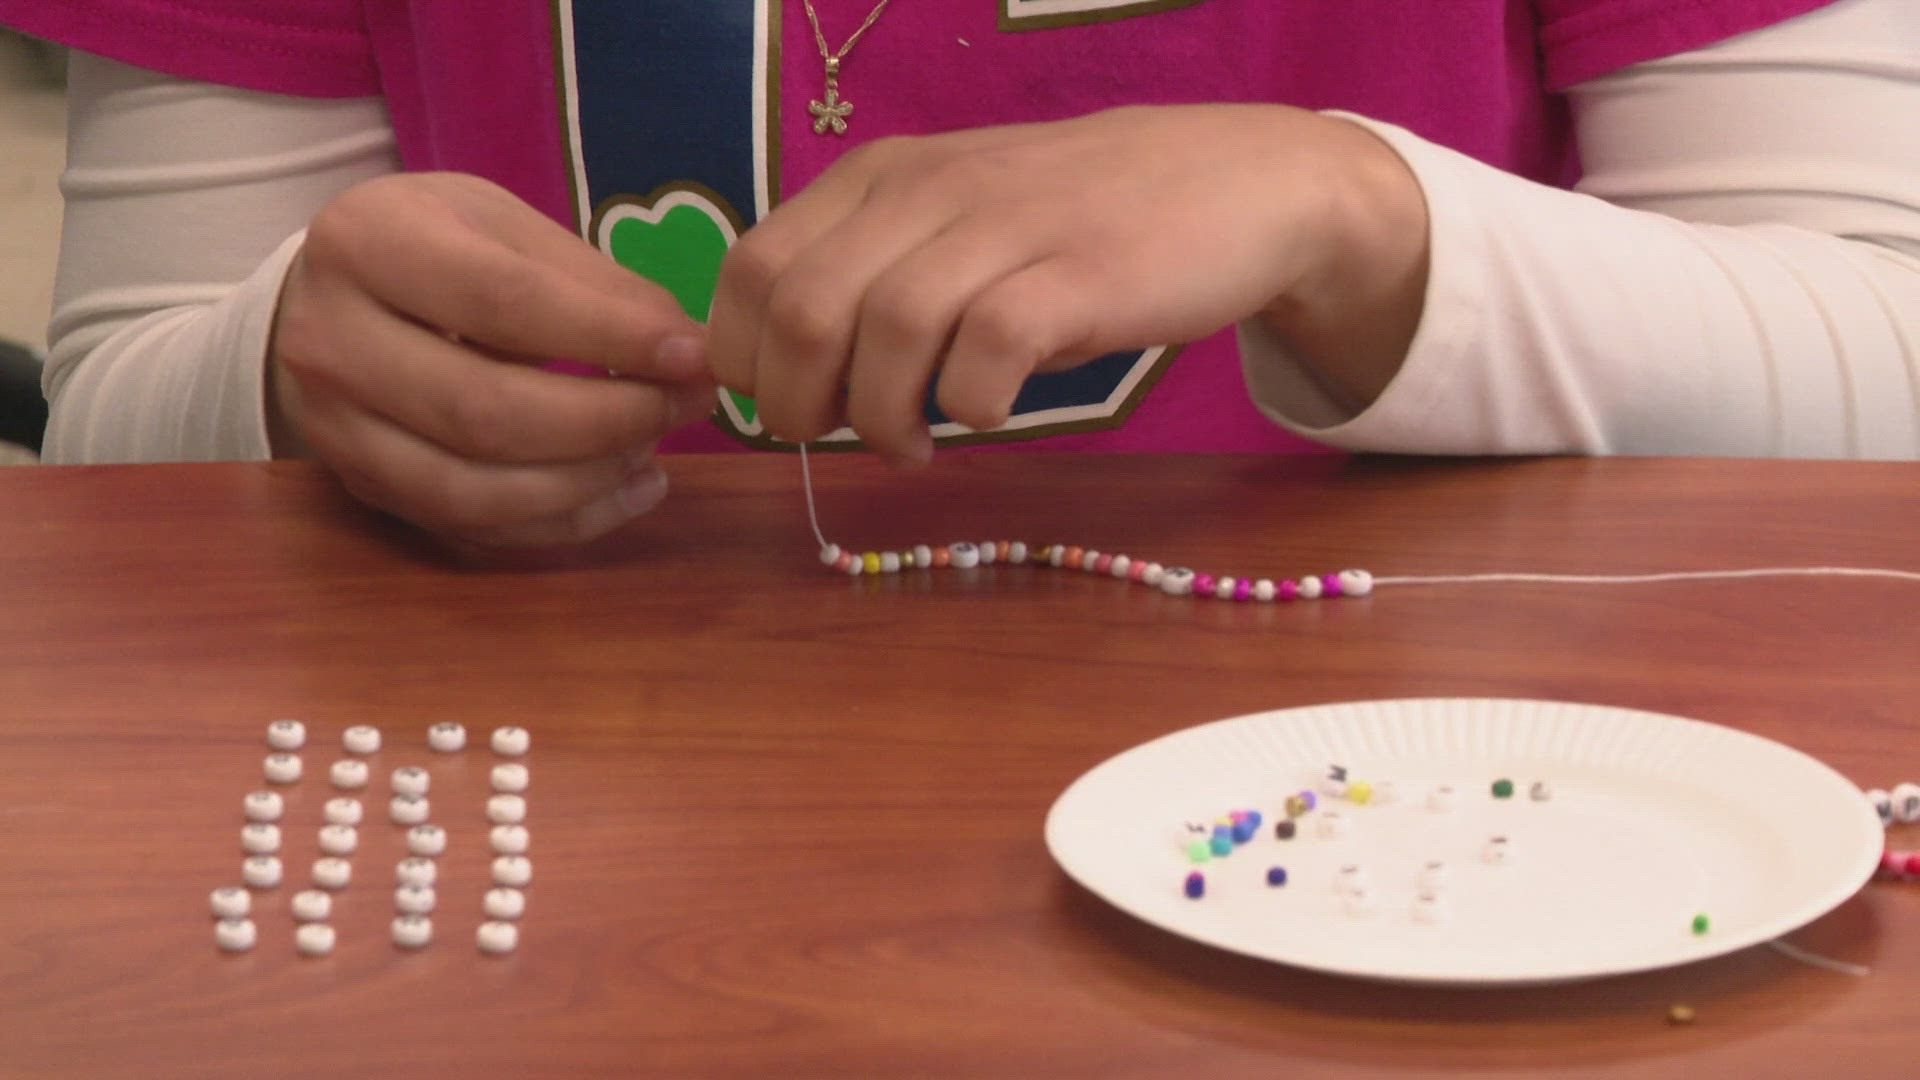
978, 257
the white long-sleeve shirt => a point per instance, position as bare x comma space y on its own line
1738, 273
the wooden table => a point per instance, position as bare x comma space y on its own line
788, 823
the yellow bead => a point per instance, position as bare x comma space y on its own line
870, 562
1360, 792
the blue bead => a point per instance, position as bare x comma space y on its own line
1254, 819
1223, 830
1222, 844
1196, 885
1243, 832
1277, 875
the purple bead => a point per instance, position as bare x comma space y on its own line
1196, 885
1289, 589
1330, 585
1203, 585
1243, 589
1277, 875
1312, 800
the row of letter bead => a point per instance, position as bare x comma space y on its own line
1172, 580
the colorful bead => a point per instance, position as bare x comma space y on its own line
1330, 585
1906, 803
1104, 564
1196, 886
1199, 851
870, 563
941, 557
1297, 805
1222, 843
1056, 554
922, 555
1913, 865
1882, 805
1263, 590
1360, 792
1254, 816
1289, 590
1138, 571
1309, 588
1893, 864
1276, 876
1284, 830
1203, 585
1072, 556
890, 562
846, 563
1242, 831
1680, 1014
964, 556
830, 554
1503, 789
1701, 924
1243, 590
1355, 583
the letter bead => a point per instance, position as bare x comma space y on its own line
408, 809
416, 870
414, 899
1906, 803
412, 931
342, 811
496, 938
235, 935
1175, 580
349, 773
259, 838
1882, 805
505, 903
427, 840
312, 905
1442, 798
507, 809
510, 741
314, 939
510, 778
410, 780
286, 734
261, 871
1433, 876
509, 839
231, 902
1496, 851
447, 737
282, 768
332, 872
339, 839
263, 806
361, 739
1429, 907
1331, 825
512, 871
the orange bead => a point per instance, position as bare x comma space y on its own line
940, 556
1074, 555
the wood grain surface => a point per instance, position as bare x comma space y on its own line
787, 823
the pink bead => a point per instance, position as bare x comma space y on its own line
1913, 864
1203, 585
1138, 568
845, 560
1893, 864
1289, 589
1103, 564
1243, 589
1330, 585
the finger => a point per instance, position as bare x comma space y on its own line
1044, 316
906, 323
505, 287
422, 483
470, 403
583, 523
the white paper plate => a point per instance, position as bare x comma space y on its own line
1652, 819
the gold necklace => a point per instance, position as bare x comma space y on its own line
831, 114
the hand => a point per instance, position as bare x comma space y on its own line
971, 260
405, 352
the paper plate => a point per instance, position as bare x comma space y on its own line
1649, 821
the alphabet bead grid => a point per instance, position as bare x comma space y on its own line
263, 812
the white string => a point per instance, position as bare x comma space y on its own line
1795, 952
1642, 579
806, 481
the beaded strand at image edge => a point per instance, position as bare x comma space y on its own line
1172, 580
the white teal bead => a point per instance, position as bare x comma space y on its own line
509, 839
447, 737
505, 903
235, 935
282, 768
1310, 588
922, 555
361, 739
1882, 805
1153, 575
1120, 566
497, 937
1906, 802
1176, 581
1017, 551
1264, 590
416, 870
343, 811
339, 839
414, 899
332, 872
830, 554
412, 931
260, 838
312, 905
511, 741
314, 939
511, 777
349, 773
1223, 587
286, 734
268, 806
507, 809
408, 809
512, 871
230, 902
1355, 582
963, 555
428, 840
261, 871
411, 780
889, 562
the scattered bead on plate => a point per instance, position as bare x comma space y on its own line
235, 935
1385, 793
1538, 791
497, 937
1433, 875
286, 734
231, 902
447, 737
1442, 797
415, 870
261, 871
412, 931
511, 741
1503, 788
509, 839
1200, 850
349, 773
510, 778
282, 768
1330, 825
1285, 829
1358, 901
312, 905
1701, 924
410, 780
343, 811
263, 806
339, 839
1680, 1015
505, 903
414, 899
1360, 792
427, 840
314, 939
512, 871
1195, 886
1276, 876
408, 809
259, 838
332, 872
507, 809
1496, 851
361, 739
1429, 907
1350, 879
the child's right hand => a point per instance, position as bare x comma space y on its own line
406, 352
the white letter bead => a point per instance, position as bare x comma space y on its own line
829, 554
349, 773
507, 809
964, 556
1088, 559
1429, 907
447, 737
343, 811
1350, 879
1355, 582
1539, 791
1017, 551
410, 780
263, 806
510, 741
1223, 588
426, 840
286, 734
408, 809
1906, 802
1441, 798
415, 870
332, 873
312, 905
261, 871
1056, 554
509, 839
1384, 793
1331, 824
922, 555
497, 937
1357, 901
1882, 805
511, 777
1176, 580
259, 838
1263, 590
414, 899
989, 551
314, 939
513, 871
889, 562
361, 739
339, 839
1433, 876
412, 931
1153, 575
505, 903
1496, 851
1310, 587
235, 935
1119, 566
231, 902
282, 768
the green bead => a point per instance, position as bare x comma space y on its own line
1701, 923
1503, 789
1199, 851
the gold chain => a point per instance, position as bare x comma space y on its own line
831, 114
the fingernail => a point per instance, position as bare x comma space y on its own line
680, 357
642, 493
915, 456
